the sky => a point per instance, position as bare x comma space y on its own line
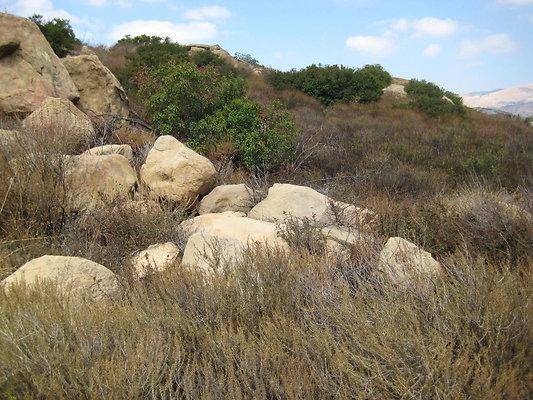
461, 45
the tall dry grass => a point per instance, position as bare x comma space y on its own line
277, 327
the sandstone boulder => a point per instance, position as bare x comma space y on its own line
285, 200
61, 119
72, 275
403, 261
155, 258
29, 69
227, 198
122, 149
221, 238
100, 92
93, 181
175, 172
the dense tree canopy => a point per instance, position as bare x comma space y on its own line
58, 32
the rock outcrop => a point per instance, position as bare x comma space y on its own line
236, 198
93, 181
155, 258
61, 119
175, 172
100, 92
72, 275
29, 69
403, 261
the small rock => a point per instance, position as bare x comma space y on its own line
155, 258
227, 198
403, 261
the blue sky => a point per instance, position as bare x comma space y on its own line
462, 45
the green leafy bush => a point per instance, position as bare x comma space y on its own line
204, 108
332, 84
263, 136
433, 100
179, 94
150, 53
58, 32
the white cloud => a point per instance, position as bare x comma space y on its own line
429, 26
44, 8
401, 25
211, 12
182, 33
493, 44
517, 2
432, 50
374, 45
434, 27
124, 3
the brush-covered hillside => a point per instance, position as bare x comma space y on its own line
180, 223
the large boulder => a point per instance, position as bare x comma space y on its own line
107, 149
100, 92
175, 172
403, 262
29, 69
61, 119
94, 181
290, 201
237, 198
72, 275
221, 238
155, 258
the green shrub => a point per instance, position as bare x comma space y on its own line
433, 100
179, 94
264, 137
203, 107
150, 53
332, 84
58, 32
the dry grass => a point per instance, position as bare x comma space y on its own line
277, 327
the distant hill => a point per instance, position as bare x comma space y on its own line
516, 100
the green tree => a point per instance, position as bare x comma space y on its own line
58, 32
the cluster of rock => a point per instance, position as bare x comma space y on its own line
59, 95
